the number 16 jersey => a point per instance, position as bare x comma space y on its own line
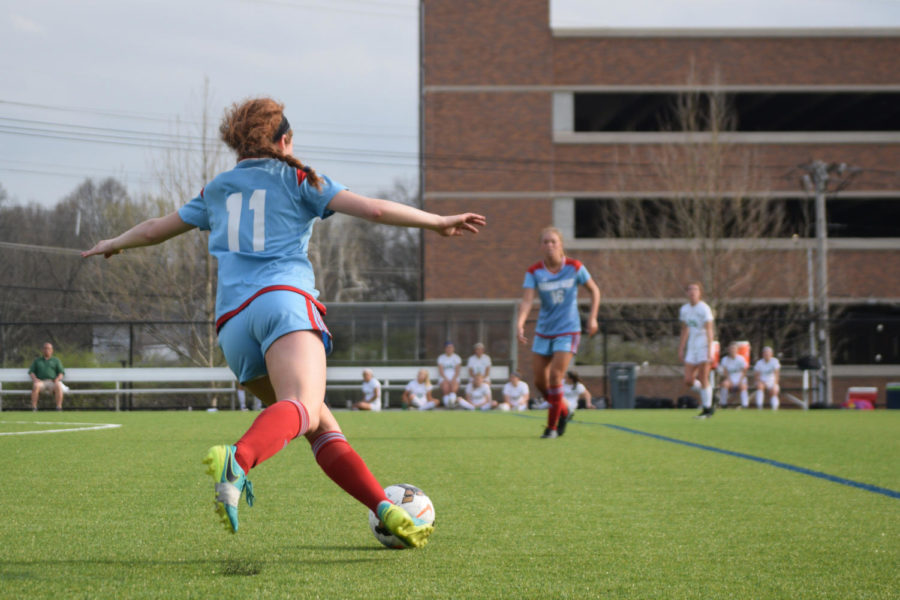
559, 296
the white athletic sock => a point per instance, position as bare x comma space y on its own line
428, 405
706, 395
759, 399
745, 399
775, 402
723, 397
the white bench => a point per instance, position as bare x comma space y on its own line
339, 378
123, 375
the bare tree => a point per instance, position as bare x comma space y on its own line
357, 261
712, 222
176, 280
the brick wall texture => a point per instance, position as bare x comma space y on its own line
490, 71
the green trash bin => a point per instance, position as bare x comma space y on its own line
621, 383
892, 394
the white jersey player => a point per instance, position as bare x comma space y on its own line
515, 393
479, 364
418, 392
371, 390
449, 364
478, 395
695, 346
768, 371
733, 368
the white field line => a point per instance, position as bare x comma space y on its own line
85, 427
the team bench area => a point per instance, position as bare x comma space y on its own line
218, 380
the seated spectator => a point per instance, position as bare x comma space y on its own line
46, 374
371, 390
479, 364
576, 393
515, 394
733, 369
418, 393
448, 365
478, 395
768, 370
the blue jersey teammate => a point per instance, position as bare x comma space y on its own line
270, 323
555, 280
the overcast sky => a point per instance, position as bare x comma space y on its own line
94, 88
120, 72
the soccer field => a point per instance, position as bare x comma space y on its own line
603, 512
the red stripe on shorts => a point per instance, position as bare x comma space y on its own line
310, 301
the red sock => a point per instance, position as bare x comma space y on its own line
345, 467
557, 405
271, 432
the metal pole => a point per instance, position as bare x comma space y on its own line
421, 295
605, 333
514, 340
820, 177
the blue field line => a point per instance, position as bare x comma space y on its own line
774, 463
767, 461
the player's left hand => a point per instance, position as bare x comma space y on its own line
454, 225
104, 247
592, 327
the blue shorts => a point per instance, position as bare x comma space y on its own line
546, 346
245, 337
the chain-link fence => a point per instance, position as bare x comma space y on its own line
414, 333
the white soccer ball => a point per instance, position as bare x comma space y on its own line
504, 407
409, 498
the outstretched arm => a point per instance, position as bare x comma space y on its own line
524, 310
401, 215
592, 325
150, 232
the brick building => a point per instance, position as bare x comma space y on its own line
535, 125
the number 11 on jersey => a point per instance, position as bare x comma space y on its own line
234, 204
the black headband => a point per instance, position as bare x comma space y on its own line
283, 128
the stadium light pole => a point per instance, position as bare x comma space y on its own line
819, 172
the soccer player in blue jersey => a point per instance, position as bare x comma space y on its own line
555, 280
270, 323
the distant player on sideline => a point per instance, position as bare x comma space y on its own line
575, 390
695, 346
479, 364
449, 364
515, 394
260, 216
371, 391
478, 395
733, 368
768, 373
555, 280
418, 392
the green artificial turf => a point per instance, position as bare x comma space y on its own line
598, 513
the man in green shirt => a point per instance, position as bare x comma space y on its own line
46, 374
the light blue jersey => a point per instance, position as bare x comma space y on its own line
260, 216
559, 297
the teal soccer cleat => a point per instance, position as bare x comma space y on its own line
411, 531
231, 482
